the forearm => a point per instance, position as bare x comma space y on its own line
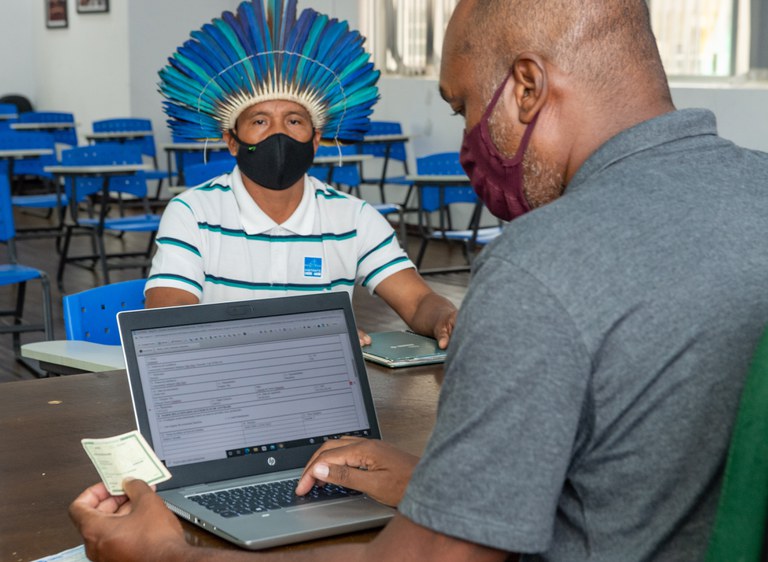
431, 311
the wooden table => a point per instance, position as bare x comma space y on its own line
43, 467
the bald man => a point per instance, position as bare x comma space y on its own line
599, 355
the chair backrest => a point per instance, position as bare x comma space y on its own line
127, 124
92, 315
198, 174
185, 159
396, 151
30, 166
7, 228
20, 103
105, 154
8, 109
345, 175
443, 163
64, 136
742, 512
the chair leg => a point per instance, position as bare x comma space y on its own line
102, 257
422, 251
63, 255
18, 315
47, 309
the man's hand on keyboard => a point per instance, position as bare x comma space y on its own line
373, 467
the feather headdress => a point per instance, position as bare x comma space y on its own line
258, 55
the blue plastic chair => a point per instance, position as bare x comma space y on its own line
91, 315
349, 175
343, 176
8, 115
394, 152
185, 159
63, 136
52, 199
440, 199
13, 273
80, 188
145, 144
198, 174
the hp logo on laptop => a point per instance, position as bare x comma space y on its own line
271, 461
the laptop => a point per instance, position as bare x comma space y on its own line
402, 349
235, 398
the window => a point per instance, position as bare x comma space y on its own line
406, 36
697, 38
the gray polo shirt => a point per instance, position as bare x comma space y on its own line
594, 374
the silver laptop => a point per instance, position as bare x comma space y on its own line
235, 397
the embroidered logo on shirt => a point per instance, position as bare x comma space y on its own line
313, 267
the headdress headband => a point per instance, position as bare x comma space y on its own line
253, 56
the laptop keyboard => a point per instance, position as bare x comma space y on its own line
265, 497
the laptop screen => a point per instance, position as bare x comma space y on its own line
240, 383
224, 389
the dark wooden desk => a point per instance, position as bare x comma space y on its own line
43, 467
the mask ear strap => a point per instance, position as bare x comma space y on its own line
496, 96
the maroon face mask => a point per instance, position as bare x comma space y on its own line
497, 180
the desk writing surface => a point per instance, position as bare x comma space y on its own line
24, 152
43, 466
97, 170
82, 355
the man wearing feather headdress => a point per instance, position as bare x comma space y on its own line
274, 87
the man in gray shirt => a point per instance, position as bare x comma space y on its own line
595, 370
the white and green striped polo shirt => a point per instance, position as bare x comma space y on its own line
216, 243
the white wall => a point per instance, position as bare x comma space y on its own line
83, 68
106, 65
18, 43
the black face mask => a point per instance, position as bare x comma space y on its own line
277, 162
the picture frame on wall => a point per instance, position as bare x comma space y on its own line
92, 6
56, 14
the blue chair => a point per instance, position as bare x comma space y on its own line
91, 315
198, 174
63, 136
145, 144
389, 152
8, 114
349, 175
13, 273
20, 103
80, 188
184, 159
51, 199
341, 176
441, 199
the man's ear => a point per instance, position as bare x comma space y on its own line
231, 142
316, 138
531, 85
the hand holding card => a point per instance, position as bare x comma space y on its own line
119, 457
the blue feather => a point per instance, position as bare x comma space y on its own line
265, 41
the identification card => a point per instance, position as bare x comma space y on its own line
118, 457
